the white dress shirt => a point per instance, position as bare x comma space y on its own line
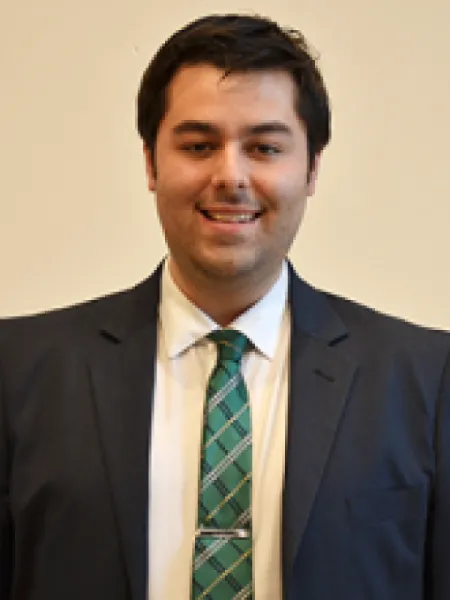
185, 360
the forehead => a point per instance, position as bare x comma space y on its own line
202, 92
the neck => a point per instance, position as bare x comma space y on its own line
223, 299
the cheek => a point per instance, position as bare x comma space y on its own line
283, 181
292, 214
182, 182
289, 210
175, 203
286, 197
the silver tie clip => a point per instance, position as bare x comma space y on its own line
223, 533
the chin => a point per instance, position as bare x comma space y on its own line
227, 268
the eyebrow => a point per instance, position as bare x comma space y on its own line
192, 126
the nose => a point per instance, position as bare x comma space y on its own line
231, 170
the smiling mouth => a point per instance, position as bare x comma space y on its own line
231, 217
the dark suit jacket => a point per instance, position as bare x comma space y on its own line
366, 509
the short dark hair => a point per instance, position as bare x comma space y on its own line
236, 44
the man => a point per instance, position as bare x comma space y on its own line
223, 430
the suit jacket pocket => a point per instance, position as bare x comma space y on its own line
388, 504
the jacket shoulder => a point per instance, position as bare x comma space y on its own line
378, 332
59, 320
75, 324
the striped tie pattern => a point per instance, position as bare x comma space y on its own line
223, 543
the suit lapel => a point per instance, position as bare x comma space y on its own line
320, 377
123, 382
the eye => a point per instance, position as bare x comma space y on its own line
266, 149
198, 148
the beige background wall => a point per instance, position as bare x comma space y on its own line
76, 220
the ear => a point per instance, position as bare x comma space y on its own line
150, 169
313, 174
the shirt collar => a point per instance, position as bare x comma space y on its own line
183, 324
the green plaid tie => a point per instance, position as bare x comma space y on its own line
223, 543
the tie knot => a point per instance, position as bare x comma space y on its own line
231, 344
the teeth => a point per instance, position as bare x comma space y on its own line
235, 218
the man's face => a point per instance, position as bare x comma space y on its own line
231, 174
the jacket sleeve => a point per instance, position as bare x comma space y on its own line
439, 558
6, 537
